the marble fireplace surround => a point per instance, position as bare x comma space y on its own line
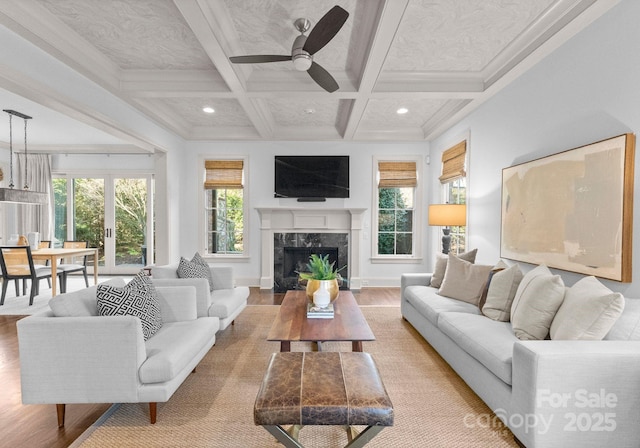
305, 220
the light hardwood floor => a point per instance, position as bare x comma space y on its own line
35, 426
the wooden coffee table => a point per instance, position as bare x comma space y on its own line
291, 323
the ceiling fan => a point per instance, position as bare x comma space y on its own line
304, 47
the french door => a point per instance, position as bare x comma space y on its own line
112, 212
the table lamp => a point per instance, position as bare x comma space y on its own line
447, 215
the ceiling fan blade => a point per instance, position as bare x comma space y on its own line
258, 58
322, 78
326, 28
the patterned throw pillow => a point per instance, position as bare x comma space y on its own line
137, 298
196, 268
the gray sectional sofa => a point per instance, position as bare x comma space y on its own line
550, 393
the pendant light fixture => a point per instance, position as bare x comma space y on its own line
24, 196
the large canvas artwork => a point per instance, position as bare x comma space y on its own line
573, 210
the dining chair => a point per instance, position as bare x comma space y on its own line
16, 263
45, 245
67, 268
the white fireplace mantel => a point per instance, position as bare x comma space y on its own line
292, 220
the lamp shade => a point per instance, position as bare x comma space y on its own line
447, 215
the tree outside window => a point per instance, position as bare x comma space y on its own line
224, 207
395, 221
225, 221
397, 181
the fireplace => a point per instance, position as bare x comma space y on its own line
282, 227
296, 258
292, 252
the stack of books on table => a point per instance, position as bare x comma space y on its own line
314, 312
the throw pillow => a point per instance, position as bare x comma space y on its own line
536, 302
137, 298
441, 266
196, 268
588, 311
464, 280
501, 292
500, 265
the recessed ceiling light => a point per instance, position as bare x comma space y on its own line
208, 109
310, 110
402, 111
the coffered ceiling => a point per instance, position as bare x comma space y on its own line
169, 58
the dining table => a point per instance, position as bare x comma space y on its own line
53, 255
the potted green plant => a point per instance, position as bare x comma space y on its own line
318, 270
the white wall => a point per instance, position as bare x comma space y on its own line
260, 194
584, 92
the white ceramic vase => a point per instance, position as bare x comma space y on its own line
321, 297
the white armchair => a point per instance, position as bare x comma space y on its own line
225, 302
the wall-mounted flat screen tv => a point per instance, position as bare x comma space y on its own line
312, 176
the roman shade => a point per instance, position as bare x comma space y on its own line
223, 174
453, 162
397, 174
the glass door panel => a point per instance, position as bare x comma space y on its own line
88, 214
130, 196
110, 212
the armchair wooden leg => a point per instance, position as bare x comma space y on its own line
153, 412
60, 408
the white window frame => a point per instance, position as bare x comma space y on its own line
202, 216
418, 210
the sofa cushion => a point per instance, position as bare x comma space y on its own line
501, 293
536, 302
224, 302
80, 303
196, 268
174, 346
441, 265
137, 298
588, 311
167, 271
500, 265
627, 327
426, 300
490, 342
464, 280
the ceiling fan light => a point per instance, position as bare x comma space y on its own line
302, 62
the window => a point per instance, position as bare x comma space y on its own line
454, 189
224, 207
395, 205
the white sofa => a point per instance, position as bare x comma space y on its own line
550, 393
70, 354
225, 302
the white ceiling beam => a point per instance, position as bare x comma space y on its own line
172, 83
36, 24
17, 83
207, 25
386, 27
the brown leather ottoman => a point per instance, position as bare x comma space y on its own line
322, 388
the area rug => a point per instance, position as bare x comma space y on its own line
214, 406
